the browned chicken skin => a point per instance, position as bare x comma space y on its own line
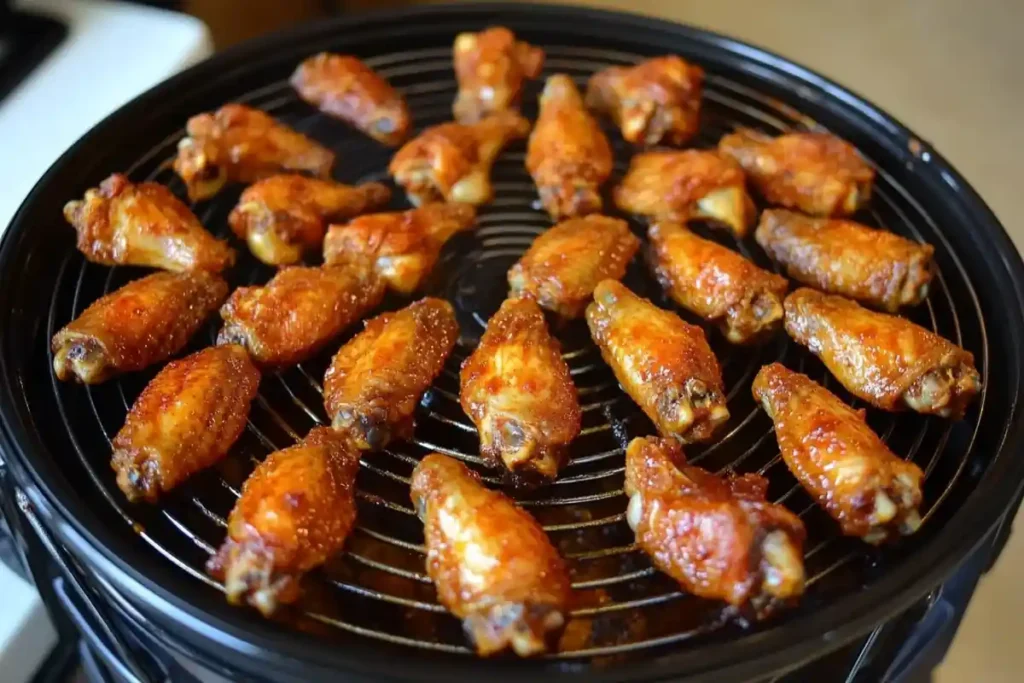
145, 322
883, 359
568, 155
718, 537
286, 215
296, 510
185, 420
873, 266
833, 453
491, 67
345, 88
491, 562
716, 283
121, 223
656, 101
663, 363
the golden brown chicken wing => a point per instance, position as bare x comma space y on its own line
185, 420
883, 359
240, 144
663, 363
718, 537
298, 312
296, 510
403, 246
657, 101
842, 257
376, 380
833, 453
124, 224
568, 155
716, 283
144, 322
816, 173
565, 263
452, 161
693, 183
491, 562
283, 216
345, 88
491, 67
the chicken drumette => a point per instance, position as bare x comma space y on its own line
491, 67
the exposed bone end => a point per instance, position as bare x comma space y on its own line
525, 628
473, 188
82, 359
731, 206
635, 510
782, 566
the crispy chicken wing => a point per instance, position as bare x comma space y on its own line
185, 420
121, 223
345, 88
144, 322
283, 216
568, 155
240, 144
491, 562
296, 510
663, 363
565, 263
883, 359
718, 537
716, 283
816, 173
376, 380
876, 267
491, 67
833, 453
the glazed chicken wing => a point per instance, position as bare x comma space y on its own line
491, 67
716, 283
816, 173
564, 264
240, 144
568, 155
833, 453
185, 420
718, 537
296, 510
144, 322
286, 215
876, 267
663, 363
376, 380
121, 223
883, 359
345, 88
491, 562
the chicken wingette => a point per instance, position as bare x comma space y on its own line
491, 67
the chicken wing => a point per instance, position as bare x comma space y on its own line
296, 510
403, 246
564, 264
240, 144
716, 283
491, 67
452, 161
491, 562
299, 311
693, 183
283, 216
718, 537
144, 322
883, 359
121, 223
185, 420
833, 453
568, 155
654, 102
345, 88
376, 380
816, 173
663, 363
876, 267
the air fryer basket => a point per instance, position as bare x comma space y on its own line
371, 612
